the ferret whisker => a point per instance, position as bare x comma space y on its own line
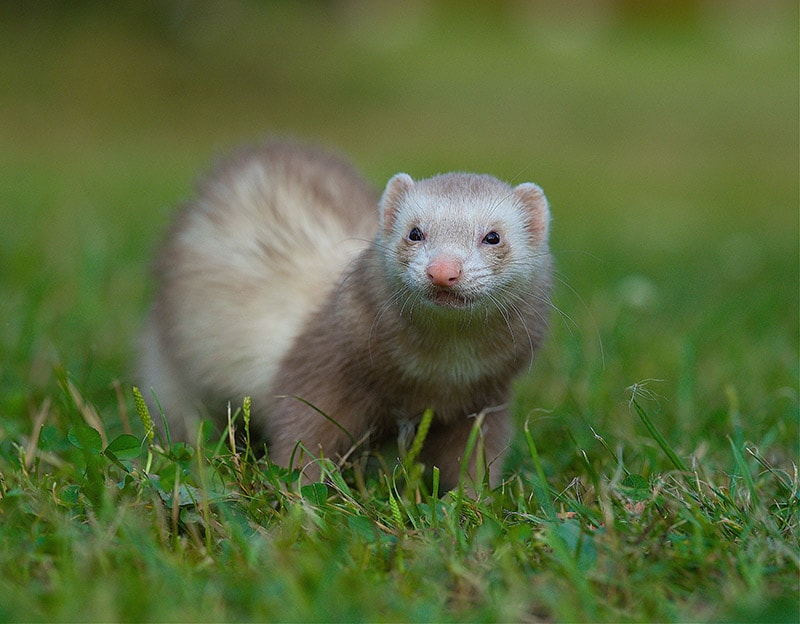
586, 307
504, 313
531, 348
569, 322
581, 252
516, 176
499, 201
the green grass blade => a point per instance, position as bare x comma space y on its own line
747, 476
540, 487
656, 435
419, 438
471, 447
328, 418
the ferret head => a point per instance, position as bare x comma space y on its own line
463, 240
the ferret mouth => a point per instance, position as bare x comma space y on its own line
448, 299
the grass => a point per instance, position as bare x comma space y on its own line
653, 477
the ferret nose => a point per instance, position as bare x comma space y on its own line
444, 271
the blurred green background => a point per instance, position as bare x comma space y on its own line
664, 133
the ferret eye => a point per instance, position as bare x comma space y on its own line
492, 238
416, 235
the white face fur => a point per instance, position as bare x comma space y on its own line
462, 240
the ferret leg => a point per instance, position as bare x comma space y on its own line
445, 447
317, 437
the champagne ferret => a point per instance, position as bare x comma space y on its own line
288, 278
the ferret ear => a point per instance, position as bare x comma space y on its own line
531, 197
396, 189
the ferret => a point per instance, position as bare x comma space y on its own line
287, 279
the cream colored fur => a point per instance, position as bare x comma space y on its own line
243, 267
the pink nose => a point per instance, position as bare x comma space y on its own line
444, 271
